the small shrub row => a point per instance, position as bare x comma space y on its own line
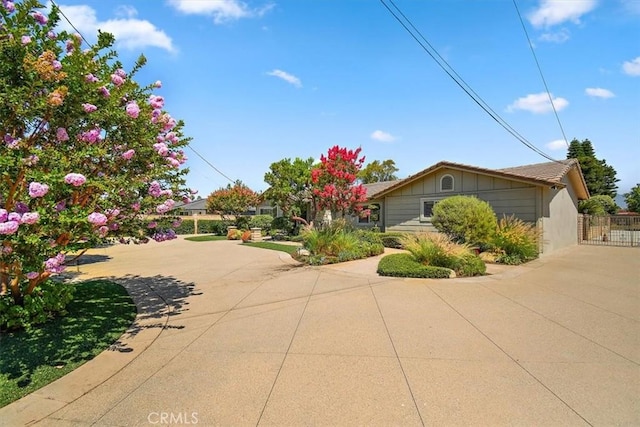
205, 226
437, 250
391, 239
404, 265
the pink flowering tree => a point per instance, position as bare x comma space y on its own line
85, 151
334, 182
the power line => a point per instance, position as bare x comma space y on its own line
447, 68
209, 163
535, 57
70, 23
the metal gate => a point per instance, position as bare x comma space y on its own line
611, 230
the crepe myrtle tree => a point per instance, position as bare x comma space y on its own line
85, 151
334, 182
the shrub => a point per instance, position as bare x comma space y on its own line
205, 226
599, 205
283, 225
391, 240
404, 265
47, 300
437, 250
261, 221
337, 243
516, 241
465, 219
242, 222
186, 227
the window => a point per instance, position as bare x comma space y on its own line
266, 211
426, 208
374, 214
446, 183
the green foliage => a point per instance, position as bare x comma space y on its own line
337, 242
233, 200
632, 199
85, 151
290, 185
465, 219
377, 171
598, 205
205, 238
598, 175
99, 314
46, 301
438, 250
515, 241
261, 221
392, 239
404, 265
283, 225
205, 226
242, 222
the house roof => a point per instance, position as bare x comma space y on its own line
199, 204
377, 187
543, 174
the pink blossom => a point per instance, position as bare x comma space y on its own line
75, 179
4, 215
117, 80
90, 136
62, 135
156, 102
54, 264
103, 231
161, 148
32, 275
9, 227
135, 206
37, 189
120, 72
112, 213
128, 154
70, 47
152, 224
57, 65
176, 223
173, 162
89, 108
104, 91
114, 227
91, 78
40, 18
155, 189
14, 216
7, 250
51, 35
162, 208
97, 218
11, 141
30, 217
133, 110
26, 39
157, 84
9, 6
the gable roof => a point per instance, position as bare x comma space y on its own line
543, 174
377, 187
199, 204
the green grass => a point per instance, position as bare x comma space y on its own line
290, 249
29, 359
205, 238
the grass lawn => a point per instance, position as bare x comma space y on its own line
98, 315
290, 249
205, 238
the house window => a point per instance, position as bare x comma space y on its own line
446, 183
374, 214
426, 208
266, 211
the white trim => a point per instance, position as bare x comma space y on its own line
453, 183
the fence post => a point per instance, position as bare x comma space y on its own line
195, 223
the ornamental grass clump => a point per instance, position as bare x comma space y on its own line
337, 242
515, 241
436, 249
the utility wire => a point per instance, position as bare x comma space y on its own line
447, 68
209, 163
90, 45
535, 57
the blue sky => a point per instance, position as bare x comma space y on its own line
258, 81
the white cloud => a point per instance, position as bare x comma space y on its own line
221, 10
382, 136
598, 92
289, 78
559, 36
632, 67
554, 12
558, 144
130, 33
537, 103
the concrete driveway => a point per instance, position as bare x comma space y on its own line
232, 335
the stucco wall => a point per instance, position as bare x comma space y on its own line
402, 209
560, 219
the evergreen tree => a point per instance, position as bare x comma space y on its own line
599, 176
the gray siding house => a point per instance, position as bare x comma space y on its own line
546, 194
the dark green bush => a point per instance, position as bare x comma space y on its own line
391, 239
205, 226
261, 221
468, 265
243, 222
403, 265
47, 300
186, 227
283, 225
465, 219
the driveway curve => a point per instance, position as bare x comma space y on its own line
232, 335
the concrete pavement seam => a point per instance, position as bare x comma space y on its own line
510, 357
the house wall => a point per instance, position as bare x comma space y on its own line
560, 218
507, 197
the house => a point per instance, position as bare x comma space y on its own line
196, 207
546, 194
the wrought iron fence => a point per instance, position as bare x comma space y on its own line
612, 230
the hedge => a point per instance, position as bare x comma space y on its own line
205, 226
403, 265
